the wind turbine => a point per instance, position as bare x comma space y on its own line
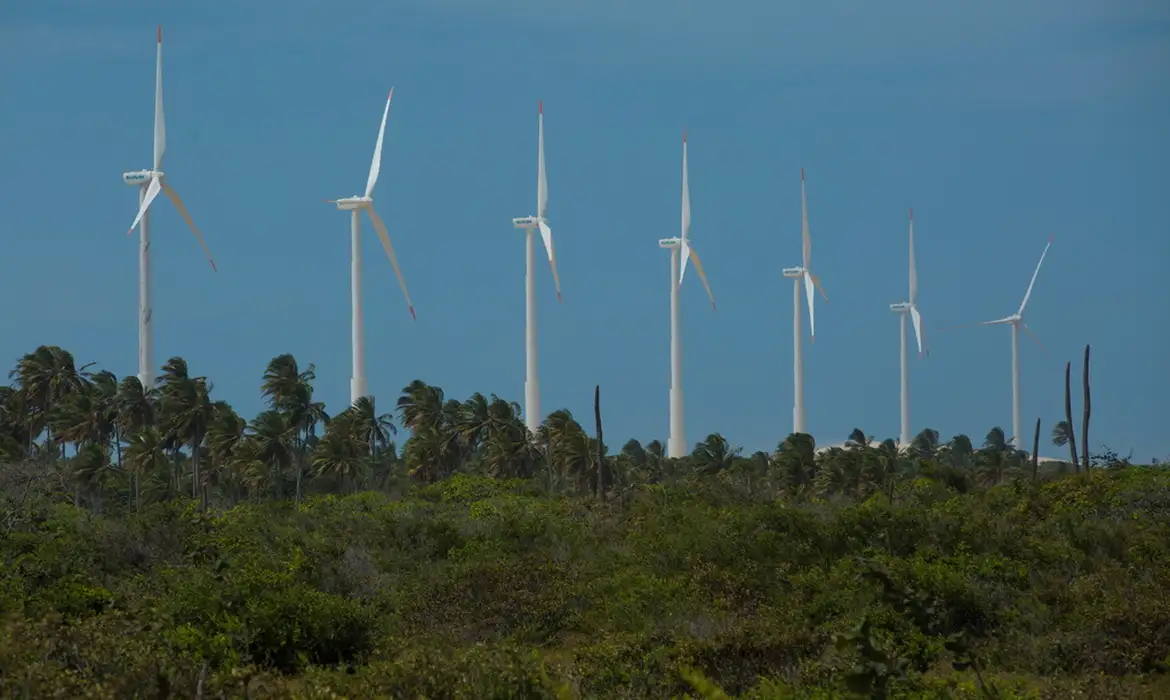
904, 309
530, 224
1016, 321
149, 184
799, 275
676, 445
355, 205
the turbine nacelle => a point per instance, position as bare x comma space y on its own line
140, 177
901, 307
352, 203
527, 222
794, 272
670, 242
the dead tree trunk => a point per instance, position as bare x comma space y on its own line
1088, 412
1036, 452
1072, 433
600, 476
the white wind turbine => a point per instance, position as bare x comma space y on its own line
355, 205
530, 224
1016, 321
802, 276
149, 184
676, 445
904, 309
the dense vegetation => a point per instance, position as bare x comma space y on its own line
153, 543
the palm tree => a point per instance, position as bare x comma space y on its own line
795, 457
858, 440
225, 432
46, 377
568, 448
925, 444
714, 454
420, 405
273, 436
146, 455
340, 452
290, 392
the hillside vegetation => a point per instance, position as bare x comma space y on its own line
153, 544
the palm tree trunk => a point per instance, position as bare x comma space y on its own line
300, 451
118, 445
1036, 452
1088, 411
1072, 437
600, 477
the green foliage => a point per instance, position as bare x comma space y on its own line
155, 544
478, 588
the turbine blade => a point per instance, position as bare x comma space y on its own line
546, 235
917, 319
1028, 293
541, 177
913, 270
808, 295
152, 191
806, 242
1006, 319
160, 122
384, 236
817, 283
682, 265
376, 163
690, 253
174, 197
1034, 336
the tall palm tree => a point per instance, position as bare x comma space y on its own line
46, 377
273, 437
340, 452
225, 432
714, 454
134, 407
795, 458
569, 450
925, 444
146, 455
290, 391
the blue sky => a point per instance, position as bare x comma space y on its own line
1001, 123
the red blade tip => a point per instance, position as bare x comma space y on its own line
160, 33
1051, 237
911, 213
713, 307
213, 267
684, 134
391, 92
412, 316
540, 106
558, 297
802, 174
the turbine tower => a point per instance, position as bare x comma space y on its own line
904, 309
149, 184
802, 276
354, 205
530, 224
1016, 321
676, 445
